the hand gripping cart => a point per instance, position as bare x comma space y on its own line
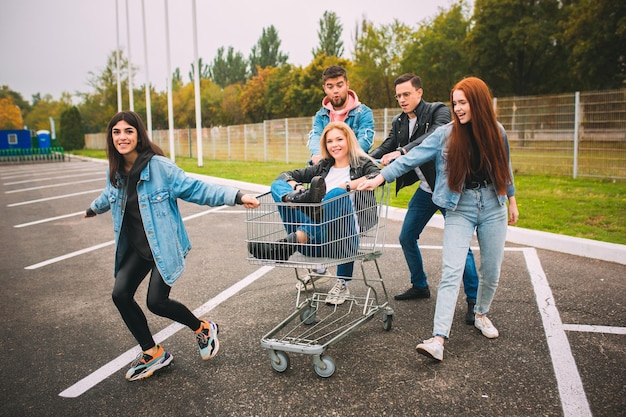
350, 228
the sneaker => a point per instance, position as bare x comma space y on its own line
413, 293
431, 348
207, 340
145, 365
338, 294
320, 278
486, 327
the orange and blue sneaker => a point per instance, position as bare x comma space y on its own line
207, 340
145, 365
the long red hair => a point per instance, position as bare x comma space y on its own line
484, 126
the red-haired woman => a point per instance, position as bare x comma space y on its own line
474, 182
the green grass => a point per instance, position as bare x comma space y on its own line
587, 208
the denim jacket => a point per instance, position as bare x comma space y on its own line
360, 119
434, 148
161, 184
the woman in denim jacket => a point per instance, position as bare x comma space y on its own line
142, 190
474, 181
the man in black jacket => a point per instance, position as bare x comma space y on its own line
408, 130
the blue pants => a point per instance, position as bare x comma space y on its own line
336, 235
420, 210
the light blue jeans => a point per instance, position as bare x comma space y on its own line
478, 210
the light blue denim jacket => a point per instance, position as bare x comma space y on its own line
434, 148
360, 119
161, 184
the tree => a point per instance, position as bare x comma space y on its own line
266, 53
44, 108
518, 58
71, 135
305, 93
329, 35
100, 105
230, 69
204, 70
377, 59
437, 52
231, 106
10, 114
252, 99
595, 34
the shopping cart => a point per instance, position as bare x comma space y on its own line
352, 228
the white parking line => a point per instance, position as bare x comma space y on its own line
49, 219
51, 178
573, 398
41, 200
102, 245
594, 329
61, 184
125, 358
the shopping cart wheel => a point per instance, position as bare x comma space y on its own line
279, 360
307, 315
387, 321
324, 366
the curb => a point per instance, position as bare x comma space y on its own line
586, 248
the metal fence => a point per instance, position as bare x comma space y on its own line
578, 135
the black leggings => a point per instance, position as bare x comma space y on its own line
131, 273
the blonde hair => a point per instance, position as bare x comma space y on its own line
355, 152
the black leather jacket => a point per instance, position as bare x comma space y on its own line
429, 117
366, 167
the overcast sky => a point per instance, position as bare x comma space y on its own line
51, 46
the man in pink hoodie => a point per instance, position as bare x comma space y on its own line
341, 104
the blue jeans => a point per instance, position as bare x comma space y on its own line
420, 210
337, 227
478, 210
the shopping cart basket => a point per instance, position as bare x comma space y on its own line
352, 228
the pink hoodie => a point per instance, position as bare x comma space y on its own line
352, 102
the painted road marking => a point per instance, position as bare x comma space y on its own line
102, 245
41, 200
61, 184
125, 358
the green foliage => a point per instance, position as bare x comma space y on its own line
205, 72
513, 47
377, 59
519, 47
266, 52
329, 35
72, 135
595, 34
39, 116
437, 52
231, 69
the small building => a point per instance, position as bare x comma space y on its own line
15, 139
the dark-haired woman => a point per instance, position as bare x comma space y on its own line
142, 191
474, 182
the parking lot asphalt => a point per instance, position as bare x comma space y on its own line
561, 316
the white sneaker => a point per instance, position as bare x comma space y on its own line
431, 348
486, 327
321, 276
338, 294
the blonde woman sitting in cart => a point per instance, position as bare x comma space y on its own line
325, 211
